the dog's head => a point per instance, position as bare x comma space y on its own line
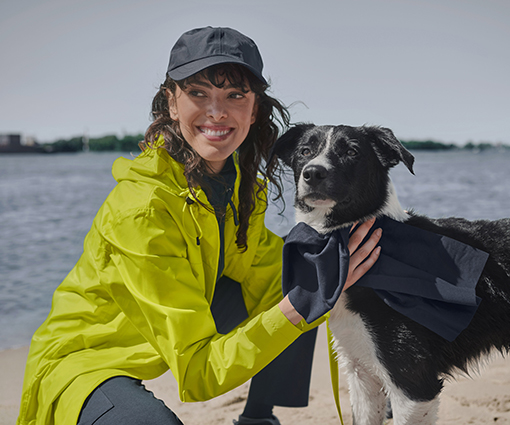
341, 172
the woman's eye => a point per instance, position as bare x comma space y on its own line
236, 95
196, 93
352, 152
306, 152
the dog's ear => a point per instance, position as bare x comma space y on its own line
389, 149
286, 143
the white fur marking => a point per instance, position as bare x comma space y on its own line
392, 208
314, 218
409, 412
320, 159
317, 216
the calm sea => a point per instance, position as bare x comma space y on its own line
48, 202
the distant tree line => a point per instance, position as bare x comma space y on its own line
437, 146
129, 143
428, 145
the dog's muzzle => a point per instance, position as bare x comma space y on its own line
314, 175
312, 189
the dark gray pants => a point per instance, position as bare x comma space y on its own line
123, 400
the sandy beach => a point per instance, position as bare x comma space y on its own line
482, 399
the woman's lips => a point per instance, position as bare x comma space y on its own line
215, 133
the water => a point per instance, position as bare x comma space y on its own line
48, 202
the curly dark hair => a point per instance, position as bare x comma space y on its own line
254, 151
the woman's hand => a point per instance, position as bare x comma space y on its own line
362, 257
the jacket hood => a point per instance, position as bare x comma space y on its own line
154, 166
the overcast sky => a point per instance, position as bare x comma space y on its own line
428, 69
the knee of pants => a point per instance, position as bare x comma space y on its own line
127, 401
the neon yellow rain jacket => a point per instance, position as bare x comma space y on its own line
137, 303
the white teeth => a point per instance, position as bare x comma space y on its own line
214, 133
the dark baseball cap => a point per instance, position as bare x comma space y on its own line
201, 48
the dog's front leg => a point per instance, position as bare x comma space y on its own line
410, 412
359, 361
368, 398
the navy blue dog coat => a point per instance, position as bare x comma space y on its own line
428, 277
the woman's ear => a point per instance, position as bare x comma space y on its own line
172, 105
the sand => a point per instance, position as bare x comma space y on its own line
482, 399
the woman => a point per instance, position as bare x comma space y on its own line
178, 270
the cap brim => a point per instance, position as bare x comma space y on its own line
189, 69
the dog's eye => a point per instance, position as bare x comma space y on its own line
352, 152
306, 152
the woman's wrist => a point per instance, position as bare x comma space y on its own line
289, 311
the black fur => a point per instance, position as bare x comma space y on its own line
417, 359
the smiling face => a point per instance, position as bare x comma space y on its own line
214, 121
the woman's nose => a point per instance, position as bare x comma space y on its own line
217, 109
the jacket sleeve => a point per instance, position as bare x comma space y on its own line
147, 273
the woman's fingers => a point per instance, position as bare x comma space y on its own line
364, 250
357, 272
357, 237
362, 257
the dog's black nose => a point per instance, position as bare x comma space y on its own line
314, 174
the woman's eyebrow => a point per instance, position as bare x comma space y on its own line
208, 84
200, 83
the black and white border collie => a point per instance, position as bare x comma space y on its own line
342, 176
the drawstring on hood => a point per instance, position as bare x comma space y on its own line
234, 211
188, 205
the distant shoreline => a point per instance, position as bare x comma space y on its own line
130, 143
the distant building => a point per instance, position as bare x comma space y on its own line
14, 143
10, 140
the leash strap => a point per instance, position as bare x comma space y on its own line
333, 367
